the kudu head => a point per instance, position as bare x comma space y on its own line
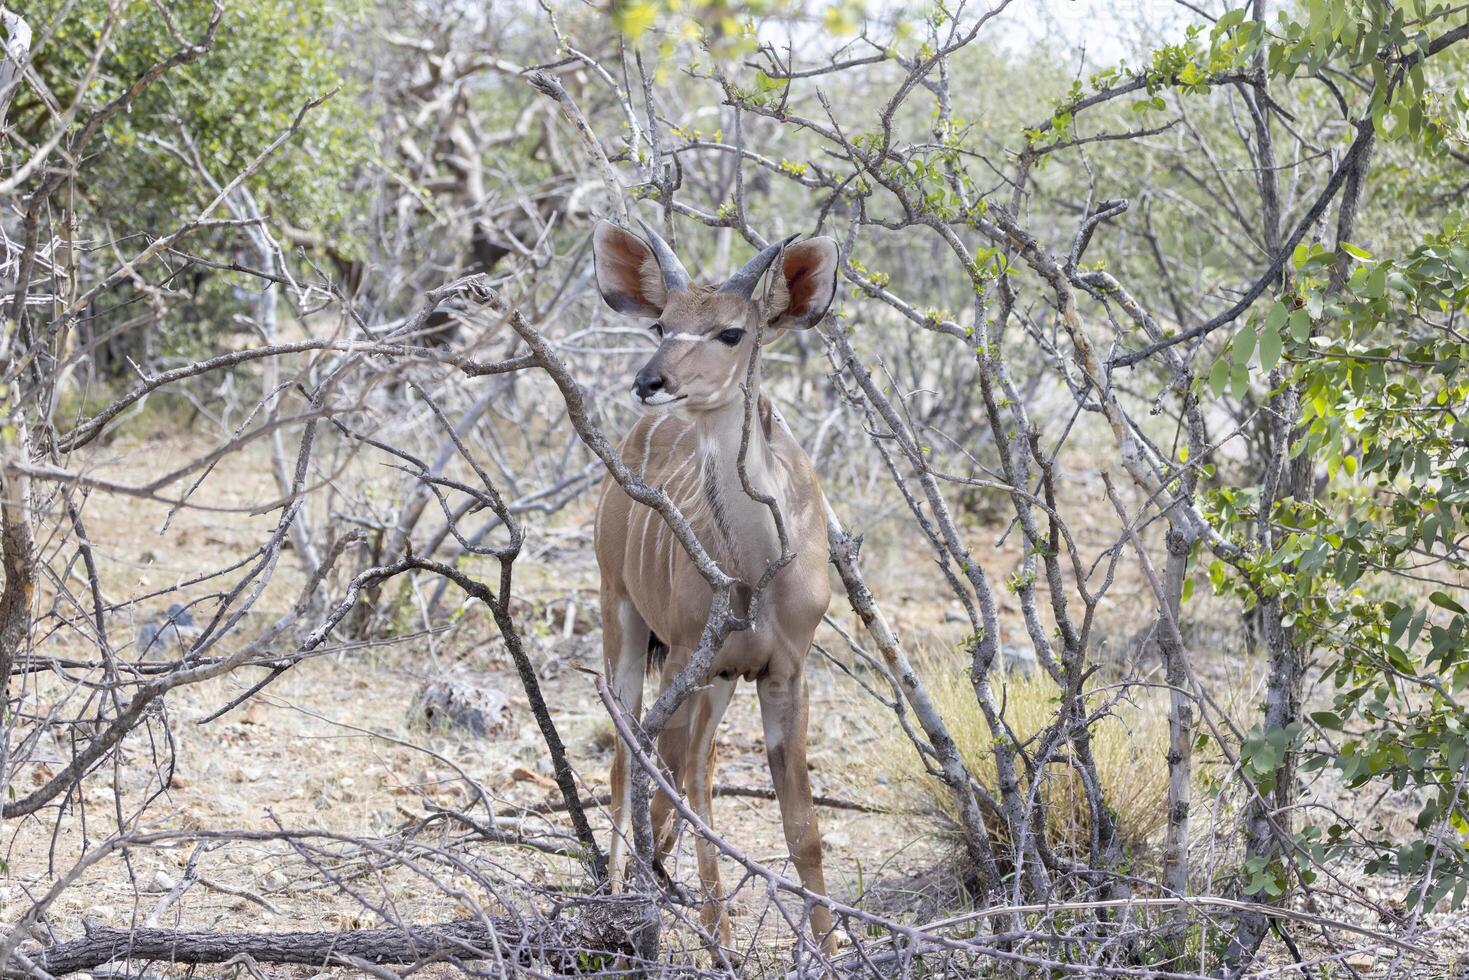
705, 331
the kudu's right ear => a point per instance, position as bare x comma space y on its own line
628, 275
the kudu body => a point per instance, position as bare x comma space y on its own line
654, 600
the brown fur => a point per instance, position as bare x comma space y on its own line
650, 586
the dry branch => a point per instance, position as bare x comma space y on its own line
560, 944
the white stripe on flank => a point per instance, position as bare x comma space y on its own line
648, 445
675, 485
648, 513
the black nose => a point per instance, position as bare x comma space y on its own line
647, 383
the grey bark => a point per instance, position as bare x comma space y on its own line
955, 775
17, 43
563, 946
1180, 717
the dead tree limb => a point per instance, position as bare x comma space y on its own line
558, 944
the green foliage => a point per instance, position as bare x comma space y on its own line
725, 27
1385, 397
268, 59
1371, 572
1369, 343
1189, 67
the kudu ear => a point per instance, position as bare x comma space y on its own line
628, 275
803, 284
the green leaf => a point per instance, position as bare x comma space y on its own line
1399, 623
1300, 326
1276, 319
1444, 601
633, 19
1416, 627
1269, 348
1239, 380
1327, 719
1243, 345
1377, 283
1219, 377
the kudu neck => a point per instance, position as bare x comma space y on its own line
751, 538
721, 430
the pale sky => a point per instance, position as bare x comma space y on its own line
1104, 30
1108, 30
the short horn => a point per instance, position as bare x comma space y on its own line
675, 279
743, 283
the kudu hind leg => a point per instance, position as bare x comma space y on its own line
783, 714
699, 788
625, 656
673, 750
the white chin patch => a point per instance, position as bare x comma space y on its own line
660, 398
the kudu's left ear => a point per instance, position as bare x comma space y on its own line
803, 284
629, 275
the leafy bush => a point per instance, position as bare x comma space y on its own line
268, 59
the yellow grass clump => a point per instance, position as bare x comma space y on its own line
1129, 745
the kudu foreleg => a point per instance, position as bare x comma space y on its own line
673, 750
783, 713
625, 658
699, 788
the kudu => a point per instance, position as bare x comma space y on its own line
654, 601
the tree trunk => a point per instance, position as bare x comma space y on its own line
17, 549
1180, 720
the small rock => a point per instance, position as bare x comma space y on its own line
162, 881
450, 704
166, 630
1017, 659
99, 915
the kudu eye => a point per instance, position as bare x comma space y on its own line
657, 329
731, 336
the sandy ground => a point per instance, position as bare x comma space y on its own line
335, 746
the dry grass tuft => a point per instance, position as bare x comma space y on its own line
1130, 747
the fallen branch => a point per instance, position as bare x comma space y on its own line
559, 944
721, 789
